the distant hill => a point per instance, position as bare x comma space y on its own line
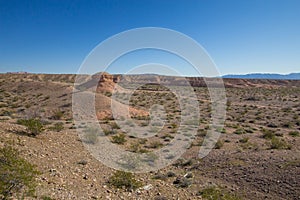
291, 76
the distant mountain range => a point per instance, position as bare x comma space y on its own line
291, 76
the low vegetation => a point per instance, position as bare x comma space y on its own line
33, 126
277, 143
294, 133
58, 114
91, 135
216, 193
59, 126
124, 180
17, 176
219, 144
119, 139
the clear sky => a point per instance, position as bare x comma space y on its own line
241, 36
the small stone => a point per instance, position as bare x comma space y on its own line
188, 175
85, 177
148, 187
82, 162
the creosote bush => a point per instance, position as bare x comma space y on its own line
17, 176
216, 193
268, 134
119, 139
90, 136
294, 133
58, 114
59, 126
33, 126
219, 144
244, 140
125, 180
277, 143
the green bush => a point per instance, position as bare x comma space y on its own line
277, 143
219, 144
109, 131
135, 147
216, 193
114, 125
57, 127
155, 144
244, 140
239, 131
34, 126
126, 180
58, 114
294, 133
17, 176
268, 134
91, 135
119, 139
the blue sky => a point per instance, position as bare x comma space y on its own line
241, 36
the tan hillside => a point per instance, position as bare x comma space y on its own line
256, 157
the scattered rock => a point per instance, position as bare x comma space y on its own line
182, 182
82, 162
148, 187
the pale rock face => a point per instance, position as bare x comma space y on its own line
106, 82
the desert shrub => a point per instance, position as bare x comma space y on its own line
215, 193
244, 140
268, 134
46, 198
91, 135
57, 127
239, 131
119, 139
182, 182
294, 133
33, 126
17, 176
126, 180
219, 144
136, 148
277, 143
58, 114
114, 125
109, 131
155, 144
